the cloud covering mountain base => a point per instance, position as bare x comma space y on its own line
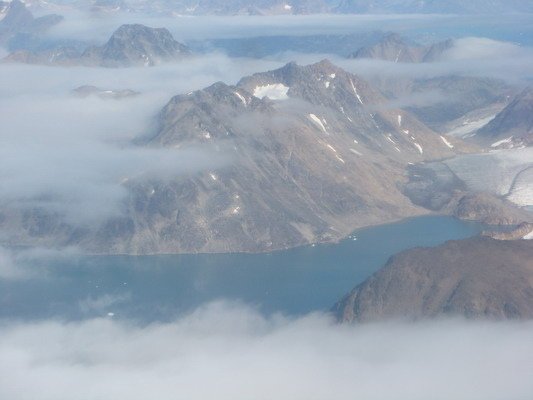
229, 351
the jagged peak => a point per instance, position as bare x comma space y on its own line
218, 91
126, 30
325, 65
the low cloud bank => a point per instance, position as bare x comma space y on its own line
73, 156
229, 351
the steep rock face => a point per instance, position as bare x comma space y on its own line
136, 45
513, 126
306, 161
394, 48
475, 278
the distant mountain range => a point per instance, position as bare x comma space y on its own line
394, 48
129, 46
281, 7
263, 46
433, 6
474, 278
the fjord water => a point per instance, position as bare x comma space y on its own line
149, 288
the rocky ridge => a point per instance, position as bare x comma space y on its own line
309, 162
394, 48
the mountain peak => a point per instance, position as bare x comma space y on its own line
394, 47
138, 45
17, 15
131, 31
325, 65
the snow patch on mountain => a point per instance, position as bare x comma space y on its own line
318, 122
446, 142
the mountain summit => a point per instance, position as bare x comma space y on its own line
136, 45
394, 48
313, 152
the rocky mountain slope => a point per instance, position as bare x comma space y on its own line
445, 98
513, 126
308, 161
394, 48
476, 278
131, 45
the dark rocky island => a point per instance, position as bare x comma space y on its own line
475, 278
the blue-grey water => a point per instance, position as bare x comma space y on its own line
149, 288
